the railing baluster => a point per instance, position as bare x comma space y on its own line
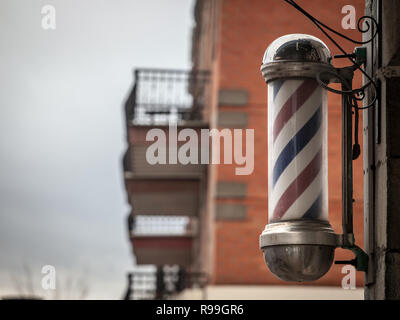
161, 91
164, 282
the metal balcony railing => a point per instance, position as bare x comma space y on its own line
163, 226
165, 96
162, 283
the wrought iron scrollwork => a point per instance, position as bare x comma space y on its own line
359, 93
354, 95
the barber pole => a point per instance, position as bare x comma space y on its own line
297, 131
298, 242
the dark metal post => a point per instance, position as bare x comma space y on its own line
128, 294
347, 165
159, 283
181, 284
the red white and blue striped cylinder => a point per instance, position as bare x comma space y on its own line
297, 150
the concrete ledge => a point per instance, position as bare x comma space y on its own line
227, 211
232, 119
231, 190
271, 292
233, 97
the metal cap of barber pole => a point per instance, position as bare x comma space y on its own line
295, 55
298, 243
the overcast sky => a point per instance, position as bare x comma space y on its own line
62, 200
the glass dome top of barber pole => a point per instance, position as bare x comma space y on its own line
297, 47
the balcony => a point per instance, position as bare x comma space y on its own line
166, 96
166, 199
148, 283
160, 98
163, 240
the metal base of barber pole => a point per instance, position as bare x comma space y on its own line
299, 250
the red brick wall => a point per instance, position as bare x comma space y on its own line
247, 27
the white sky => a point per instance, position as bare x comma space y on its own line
62, 201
